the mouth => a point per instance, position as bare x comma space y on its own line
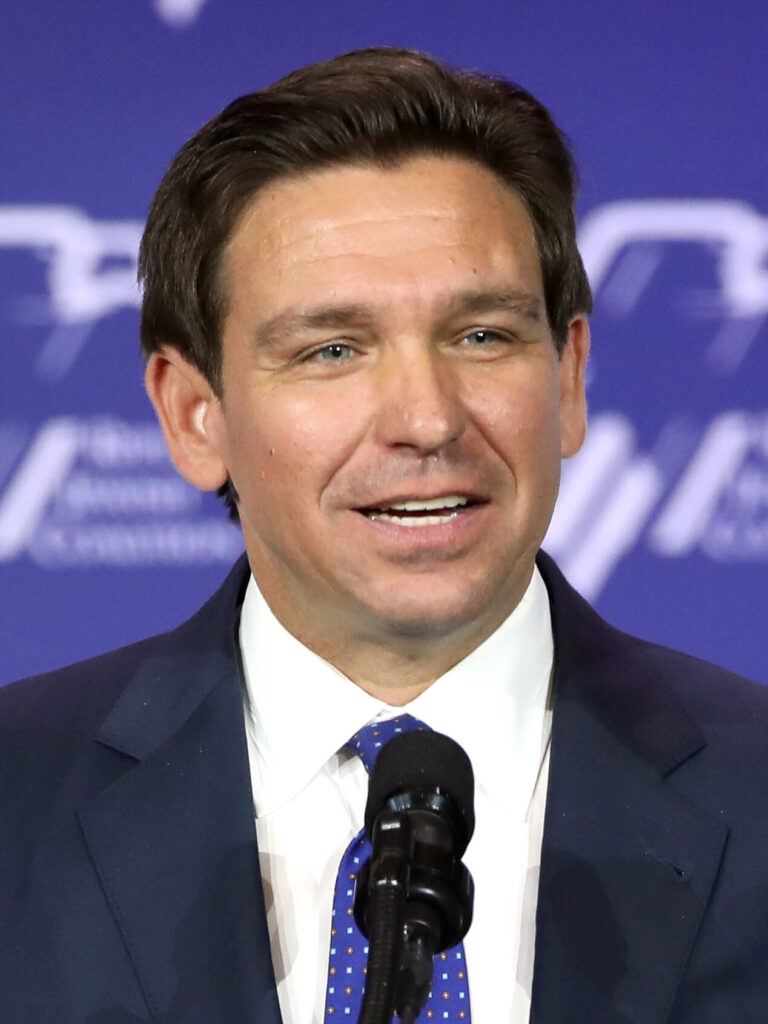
421, 512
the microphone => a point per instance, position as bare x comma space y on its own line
413, 897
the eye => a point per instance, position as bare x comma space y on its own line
482, 336
336, 352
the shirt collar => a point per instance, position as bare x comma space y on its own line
300, 710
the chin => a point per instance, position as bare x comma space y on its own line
432, 619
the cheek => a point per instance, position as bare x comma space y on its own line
295, 442
519, 419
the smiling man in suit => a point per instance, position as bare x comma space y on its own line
365, 325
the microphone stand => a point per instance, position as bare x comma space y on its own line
384, 877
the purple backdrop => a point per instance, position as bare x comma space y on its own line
663, 519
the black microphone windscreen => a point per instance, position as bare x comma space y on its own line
422, 760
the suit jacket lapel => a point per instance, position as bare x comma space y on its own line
173, 838
627, 863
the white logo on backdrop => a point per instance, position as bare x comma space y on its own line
610, 492
90, 272
623, 244
103, 492
738, 234
178, 13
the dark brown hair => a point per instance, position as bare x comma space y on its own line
376, 106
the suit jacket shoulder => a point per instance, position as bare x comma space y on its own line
654, 871
129, 874
74, 700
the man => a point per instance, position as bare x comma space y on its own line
365, 324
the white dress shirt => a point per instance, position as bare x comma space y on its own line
309, 795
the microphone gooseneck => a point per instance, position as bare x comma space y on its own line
413, 897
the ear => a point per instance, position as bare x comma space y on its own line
189, 412
573, 401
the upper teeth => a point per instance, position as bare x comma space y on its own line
450, 501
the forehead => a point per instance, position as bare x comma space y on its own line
413, 227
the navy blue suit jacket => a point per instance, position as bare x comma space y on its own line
129, 877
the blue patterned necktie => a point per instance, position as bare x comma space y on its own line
449, 1000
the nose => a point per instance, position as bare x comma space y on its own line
419, 401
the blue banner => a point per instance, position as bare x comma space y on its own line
662, 520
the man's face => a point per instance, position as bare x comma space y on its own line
394, 409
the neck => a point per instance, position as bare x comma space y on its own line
391, 675
393, 666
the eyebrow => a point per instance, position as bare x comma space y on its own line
293, 321
525, 304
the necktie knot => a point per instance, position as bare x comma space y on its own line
368, 741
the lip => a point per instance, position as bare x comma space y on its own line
474, 498
448, 539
